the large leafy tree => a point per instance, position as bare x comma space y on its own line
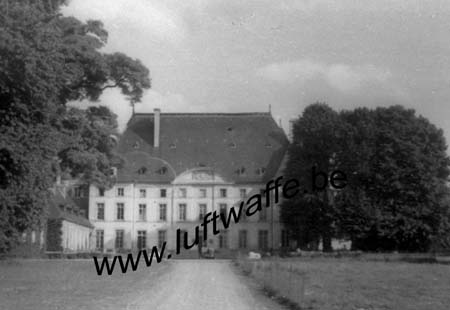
318, 139
399, 166
47, 60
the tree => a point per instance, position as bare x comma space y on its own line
399, 167
47, 60
318, 136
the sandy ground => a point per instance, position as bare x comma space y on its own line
205, 284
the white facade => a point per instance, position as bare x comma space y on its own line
189, 195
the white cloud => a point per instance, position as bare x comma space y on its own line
342, 77
137, 15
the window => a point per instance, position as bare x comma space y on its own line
119, 239
260, 171
163, 193
120, 211
223, 240
161, 238
182, 193
162, 170
142, 170
120, 191
223, 209
202, 192
242, 193
100, 211
162, 212
223, 192
182, 212
202, 210
78, 192
101, 192
242, 239
142, 239
99, 237
263, 213
142, 212
142, 193
284, 238
263, 239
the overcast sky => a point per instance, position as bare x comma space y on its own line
241, 56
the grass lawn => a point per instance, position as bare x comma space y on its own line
69, 284
352, 284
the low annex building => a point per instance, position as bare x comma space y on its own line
180, 166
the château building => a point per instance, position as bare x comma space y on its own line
180, 166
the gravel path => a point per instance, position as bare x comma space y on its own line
205, 284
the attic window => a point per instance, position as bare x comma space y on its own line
240, 171
268, 145
162, 170
136, 145
232, 145
200, 164
142, 170
260, 171
172, 146
229, 128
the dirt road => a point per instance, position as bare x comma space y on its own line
202, 284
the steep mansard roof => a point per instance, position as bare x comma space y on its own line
240, 147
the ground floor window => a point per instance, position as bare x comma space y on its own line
263, 239
99, 239
161, 238
284, 238
223, 240
142, 239
119, 239
242, 239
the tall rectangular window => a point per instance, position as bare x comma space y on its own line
119, 239
120, 211
202, 192
163, 193
223, 209
242, 193
242, 239
202, 210
284, 238
223, 239
182, 193
78, 192
223, 192
101, 192
161, 238
142, 239
263, 213
99, 240
142, 212
120, 191
100, 211
163, 212
182, 212
142, 193
263, 239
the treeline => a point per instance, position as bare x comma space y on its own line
397, 197
46, 61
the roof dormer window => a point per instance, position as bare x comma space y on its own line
240, 171
268, 145
260, 171
232, 145
136, 145
172, 146
142, 170
162, 170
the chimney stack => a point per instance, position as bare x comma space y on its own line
156, 130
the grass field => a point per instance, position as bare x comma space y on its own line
347, 284
67, 284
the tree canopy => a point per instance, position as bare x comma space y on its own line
397, 166
46, 61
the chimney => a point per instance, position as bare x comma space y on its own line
156, 130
